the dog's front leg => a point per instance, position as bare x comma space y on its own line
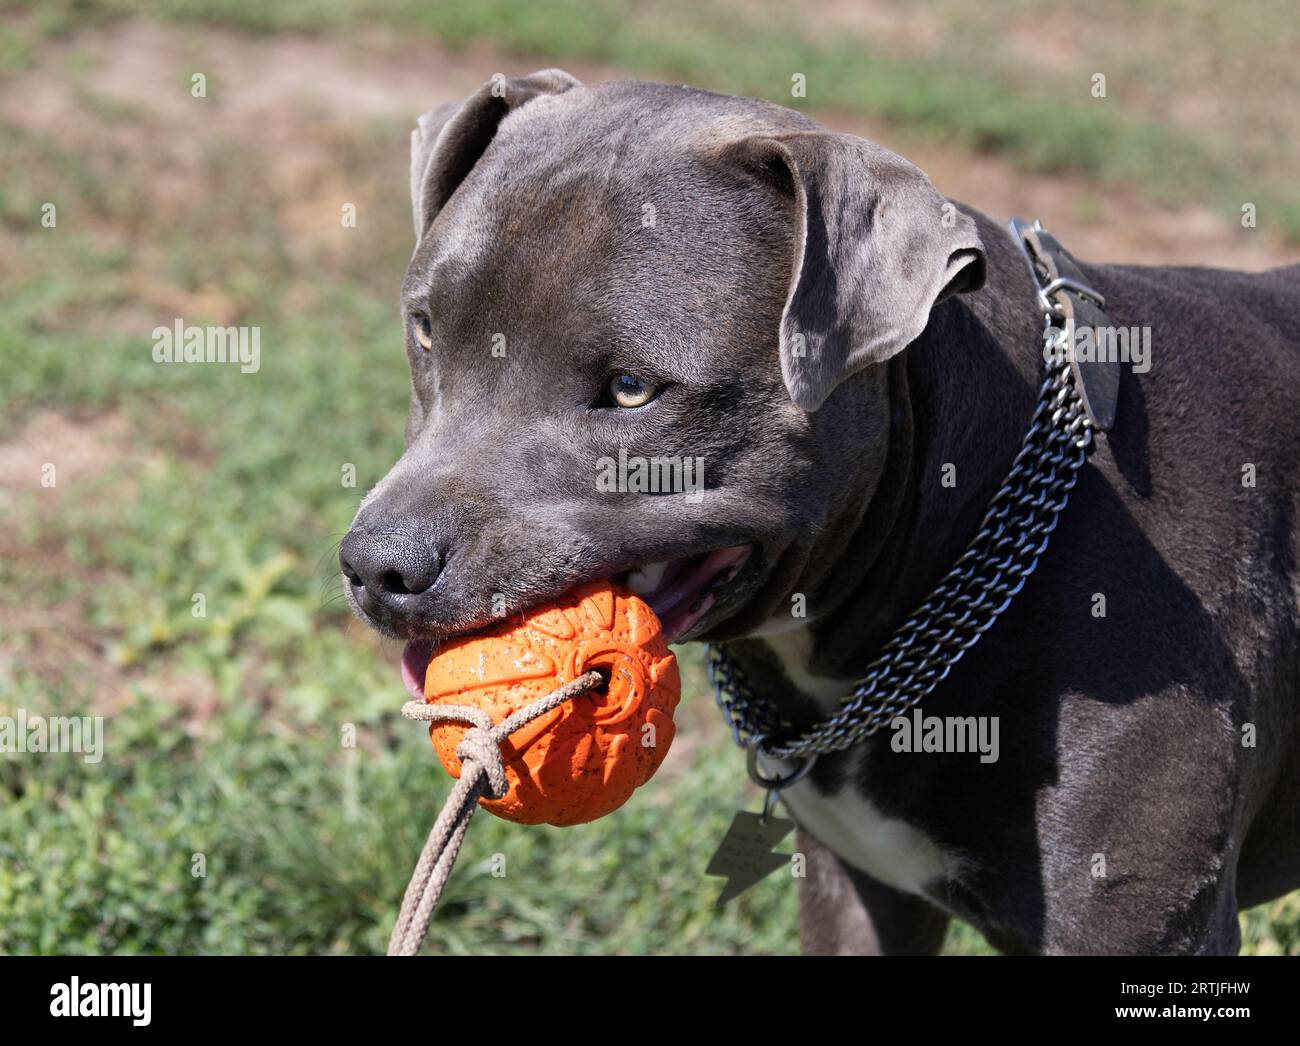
843, 911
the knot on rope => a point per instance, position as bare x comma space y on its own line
482, 772
481, 747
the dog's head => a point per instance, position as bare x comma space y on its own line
646, 328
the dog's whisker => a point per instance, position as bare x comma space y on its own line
332, 552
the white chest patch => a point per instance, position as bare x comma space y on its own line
887, 848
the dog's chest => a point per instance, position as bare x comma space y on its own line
846, 820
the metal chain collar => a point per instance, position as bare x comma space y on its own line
968, 600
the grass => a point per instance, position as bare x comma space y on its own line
269, 837
224, 732
1045, 124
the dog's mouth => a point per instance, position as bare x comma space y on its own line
681, 592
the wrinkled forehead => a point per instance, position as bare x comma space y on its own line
602, 242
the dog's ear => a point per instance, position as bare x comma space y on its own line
449, 140
876, 247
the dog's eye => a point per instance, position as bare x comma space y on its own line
628, 391
423, 331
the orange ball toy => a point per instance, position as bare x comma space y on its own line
585, 758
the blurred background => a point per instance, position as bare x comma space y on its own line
225, 732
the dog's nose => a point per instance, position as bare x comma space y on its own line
388, 571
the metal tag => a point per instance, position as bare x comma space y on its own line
745, 855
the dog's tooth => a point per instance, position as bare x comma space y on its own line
645, 580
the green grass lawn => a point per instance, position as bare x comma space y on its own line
989, 77
224, 748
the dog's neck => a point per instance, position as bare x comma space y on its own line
961, 398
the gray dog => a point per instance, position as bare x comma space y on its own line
851, 362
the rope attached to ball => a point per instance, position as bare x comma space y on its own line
483, 772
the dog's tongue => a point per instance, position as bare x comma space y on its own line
415, 665
683, 597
